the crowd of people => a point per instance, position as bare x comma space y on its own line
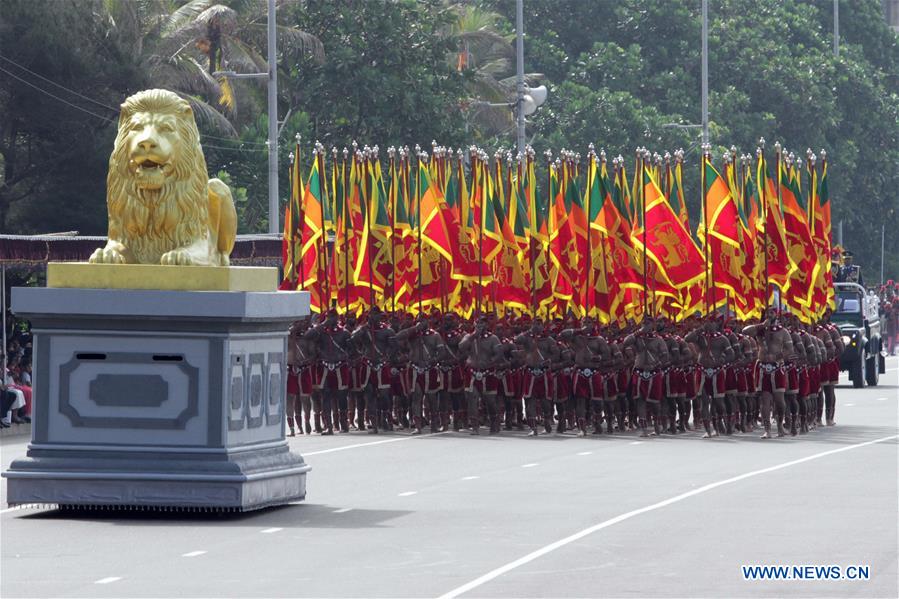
440, 372
15, 386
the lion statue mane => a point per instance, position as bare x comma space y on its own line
163, 208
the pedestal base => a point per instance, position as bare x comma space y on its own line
162, 399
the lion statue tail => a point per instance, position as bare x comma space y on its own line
222, 220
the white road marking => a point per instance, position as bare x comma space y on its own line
18, 507
848, 405
529, 465
381, 442
193, 553
108, 580
881, 399
407, 493
266, 531
627, 516
636, 442
470, 477
585, 452
342, 510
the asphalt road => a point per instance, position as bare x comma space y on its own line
510, 516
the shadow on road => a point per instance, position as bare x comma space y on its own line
301, 515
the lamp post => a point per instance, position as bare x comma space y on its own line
272, 142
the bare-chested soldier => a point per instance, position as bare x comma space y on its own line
830, 375
715, 353
331, 342
535, 384
372, 340
604, 391
426, 350
300, 362
650, 358
775, 344
586, 381
483, 352
452, 396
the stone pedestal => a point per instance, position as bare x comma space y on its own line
158, 398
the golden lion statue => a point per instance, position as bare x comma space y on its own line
163, 208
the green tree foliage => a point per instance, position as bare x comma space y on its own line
621, 72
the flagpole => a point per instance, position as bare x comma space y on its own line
346, 231
532, 227
778, 158
705, 221
369, 165
391, 218
760, 155
419, 156
640, 174
590, 297
294, 277
549, 200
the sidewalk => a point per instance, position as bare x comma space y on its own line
16, 431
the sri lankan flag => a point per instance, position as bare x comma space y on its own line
819, 222
578, 249
676, 197
561, 244
799, 245
772, 232
433, 257
314, 248
624, 263
674, 261
722, 236
403, 240
291, 242
511, 281
381, 232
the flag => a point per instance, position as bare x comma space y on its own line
800, 246
673, 260
819, 221
777, 258
561, 243
623, 263
676, 195
291, 241
403, 239
381, 233
313, 252
721, 233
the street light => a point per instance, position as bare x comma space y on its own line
272, 143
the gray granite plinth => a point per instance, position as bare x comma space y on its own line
158, 398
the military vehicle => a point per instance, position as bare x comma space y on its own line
857, 316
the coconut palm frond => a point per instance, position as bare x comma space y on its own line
208, 118
495, 67
289, 40
184, 16
220, 18
242, 57
529, 79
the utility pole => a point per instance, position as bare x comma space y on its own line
273, 210
836, 28
274, 213
705, 72
519, 50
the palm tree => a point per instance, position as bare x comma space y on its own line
181, 44
487, 57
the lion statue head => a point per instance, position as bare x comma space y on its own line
163, 209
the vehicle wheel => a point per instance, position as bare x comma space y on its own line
872, 372
856, 374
